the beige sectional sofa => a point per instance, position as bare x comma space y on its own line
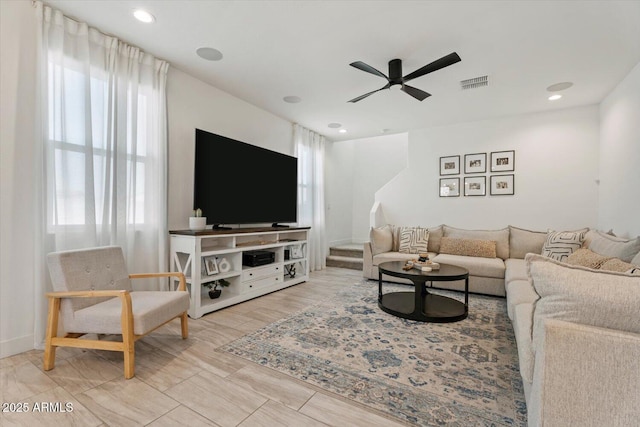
577, 327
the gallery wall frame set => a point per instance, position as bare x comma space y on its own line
476, 163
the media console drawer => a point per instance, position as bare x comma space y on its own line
259, 272
260, 283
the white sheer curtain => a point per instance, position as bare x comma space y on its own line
103, 144
310, 153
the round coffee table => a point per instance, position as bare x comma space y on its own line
421, 305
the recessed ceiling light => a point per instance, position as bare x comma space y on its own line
334, 125
143, 16
292, 99
559, 86
209, 53
342, 131
555, 97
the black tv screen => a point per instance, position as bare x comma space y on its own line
240, 183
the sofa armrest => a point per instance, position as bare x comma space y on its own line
586, 376
367, 264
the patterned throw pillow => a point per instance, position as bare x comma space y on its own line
468, 247
587, 258
560, 244
413, 240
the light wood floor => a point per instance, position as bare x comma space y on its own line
184, 382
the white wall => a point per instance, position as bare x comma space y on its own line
619, 206
17, 248
193, 104
556, 168
357, 169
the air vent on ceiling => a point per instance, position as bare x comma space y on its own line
475, 82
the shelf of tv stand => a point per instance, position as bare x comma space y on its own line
189, 248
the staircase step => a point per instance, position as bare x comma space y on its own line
344, 262
352, 251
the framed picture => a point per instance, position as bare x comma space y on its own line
502, 185
475, 185
450, 165
211, 265
503, 161
449, 187
475, 163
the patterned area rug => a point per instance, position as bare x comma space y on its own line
455, 374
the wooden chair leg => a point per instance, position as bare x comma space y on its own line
128, 341
52, 330
184, 325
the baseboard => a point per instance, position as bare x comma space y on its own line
15, 346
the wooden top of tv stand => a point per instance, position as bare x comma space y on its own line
210, 232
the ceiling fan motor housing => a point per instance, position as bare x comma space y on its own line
395, 72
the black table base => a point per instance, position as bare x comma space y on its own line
435, 308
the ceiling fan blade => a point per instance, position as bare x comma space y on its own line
445, 61
418, 94
368, 68
370, 93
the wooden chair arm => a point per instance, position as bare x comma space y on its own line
181, 287
87, 294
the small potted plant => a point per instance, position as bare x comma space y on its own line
214, 292
197, 222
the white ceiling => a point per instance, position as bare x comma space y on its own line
274, 49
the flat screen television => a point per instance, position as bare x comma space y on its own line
240, 183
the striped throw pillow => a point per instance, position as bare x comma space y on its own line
413, 240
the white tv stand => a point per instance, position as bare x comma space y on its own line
190, 250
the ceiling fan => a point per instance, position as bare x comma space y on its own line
395, 75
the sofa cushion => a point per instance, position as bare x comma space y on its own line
560, 244
381, 239
413, 240
522, 326
587, 258
468, 247
581, 295
615, 264
614, 247
396, 256
636, 260
516, 269
519, 292
483, 267
501, 237
522, 242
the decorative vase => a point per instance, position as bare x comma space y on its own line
213, 294
197, 223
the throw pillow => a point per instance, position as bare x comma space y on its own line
579, 295
413, 240
468, 247
614, 247
501, 237
522, 242
587, 258
560, 244
435, 236
381, 239
615, 264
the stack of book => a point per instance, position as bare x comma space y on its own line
424, 266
